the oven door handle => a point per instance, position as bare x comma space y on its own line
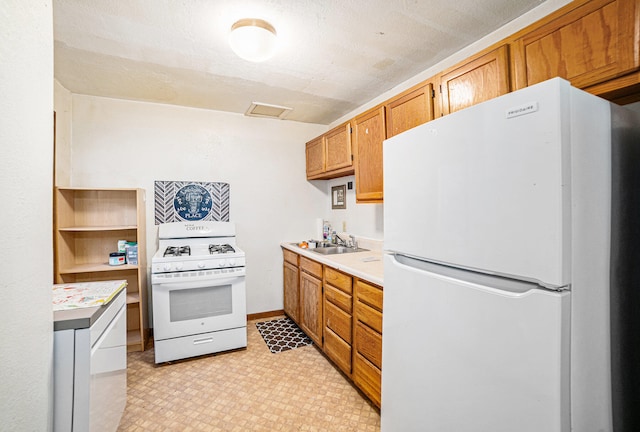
172, 286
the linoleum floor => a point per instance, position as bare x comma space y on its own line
245, 390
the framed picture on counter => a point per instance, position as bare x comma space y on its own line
338, 197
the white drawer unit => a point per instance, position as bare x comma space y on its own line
90, 370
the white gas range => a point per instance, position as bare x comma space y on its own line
198, 289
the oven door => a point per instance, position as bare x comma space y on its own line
201, 306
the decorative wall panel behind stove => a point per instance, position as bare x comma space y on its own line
177, 201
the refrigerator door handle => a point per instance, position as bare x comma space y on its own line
482, 281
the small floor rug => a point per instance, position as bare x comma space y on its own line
282, 334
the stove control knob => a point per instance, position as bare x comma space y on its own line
232, 262
221, 263
200, 264
179, 266
167, 266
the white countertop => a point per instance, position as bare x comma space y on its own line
79, 305
364, 265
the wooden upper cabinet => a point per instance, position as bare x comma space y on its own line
330, 156
585, 44
409, 109
478, 79
338, 147
315, 157
369, 133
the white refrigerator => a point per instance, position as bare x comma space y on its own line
511, 267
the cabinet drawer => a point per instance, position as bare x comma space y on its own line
338, 298
369, 294
369, 316
338, 350
337, 279
311, 267
369, 344
367, 377
291, 257
338, 320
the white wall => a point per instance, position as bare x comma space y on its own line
62, 107
117, 143
361, 220
26, 171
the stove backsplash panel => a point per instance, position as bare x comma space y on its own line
177, 201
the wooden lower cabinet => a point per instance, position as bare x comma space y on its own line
310, 320
291, 280
338, 323
341, 314
367, 339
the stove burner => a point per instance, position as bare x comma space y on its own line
220, 249
173, 251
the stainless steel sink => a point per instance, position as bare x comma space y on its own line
334, 250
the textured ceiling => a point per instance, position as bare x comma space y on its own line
334, 55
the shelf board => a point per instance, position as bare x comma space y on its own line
72, 188
96, 267
133, 298
98, 228
134, 340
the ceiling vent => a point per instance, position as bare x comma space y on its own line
259, 109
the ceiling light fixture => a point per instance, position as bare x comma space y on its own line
253, 39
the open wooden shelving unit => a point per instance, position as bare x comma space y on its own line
88, 224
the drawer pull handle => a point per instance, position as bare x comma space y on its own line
202, 341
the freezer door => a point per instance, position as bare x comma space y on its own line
470, 355
483, 187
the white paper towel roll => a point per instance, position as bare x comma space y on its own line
319, 229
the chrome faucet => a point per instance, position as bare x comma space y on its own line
351, 243
340, 241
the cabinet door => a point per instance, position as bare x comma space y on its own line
479, 79
409, 109
589, 44
291, 294
311, 307
315, 157
338, 147
369, 134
